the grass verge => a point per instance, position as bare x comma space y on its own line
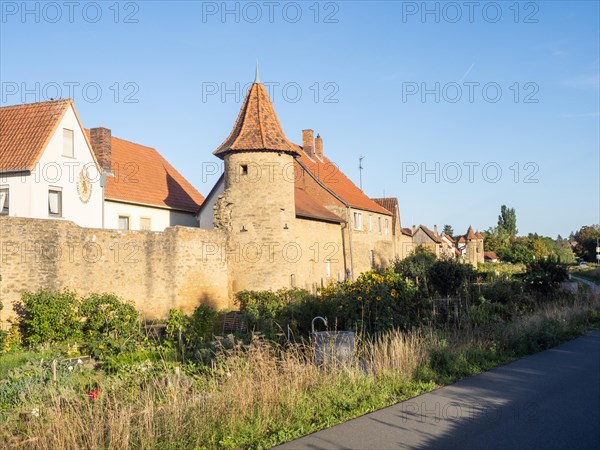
262, 394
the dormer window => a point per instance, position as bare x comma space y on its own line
68, 143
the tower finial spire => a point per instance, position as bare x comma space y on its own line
257, 77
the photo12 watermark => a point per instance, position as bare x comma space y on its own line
469, 92
469, 171
270, 12
125, 12
86, 91
470, 12
289, 91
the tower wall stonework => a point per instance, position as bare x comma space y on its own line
258, 213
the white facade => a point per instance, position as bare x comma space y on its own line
28, 192
141, 217
206, 215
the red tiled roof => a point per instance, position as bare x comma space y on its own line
257, 127
25, 131
309, 208
332, 177
391, 204
490, 255
407, 231
143, 176
478, 235
462, 240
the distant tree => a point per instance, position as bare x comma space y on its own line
586, 239
449, 230
507, 220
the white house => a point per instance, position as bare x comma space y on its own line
51, 167
47, 166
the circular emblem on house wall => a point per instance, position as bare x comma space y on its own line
84, 186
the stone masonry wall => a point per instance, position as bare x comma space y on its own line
178, 268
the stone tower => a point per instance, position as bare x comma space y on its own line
472, 247
257, 207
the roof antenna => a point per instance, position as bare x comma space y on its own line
360, 169
256, 76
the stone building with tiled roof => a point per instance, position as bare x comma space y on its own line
291, 216
470, 247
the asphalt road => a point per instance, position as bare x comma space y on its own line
550, 400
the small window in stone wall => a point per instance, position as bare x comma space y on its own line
379, 224
372, 258
370, 222
387, 227
4, 201
328, 268
357, 221
244, 169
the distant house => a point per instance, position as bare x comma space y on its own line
52, 168
491, 257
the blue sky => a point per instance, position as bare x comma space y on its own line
458, 109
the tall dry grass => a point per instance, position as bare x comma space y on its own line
252, 391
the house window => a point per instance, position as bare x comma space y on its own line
145, 223
68, 143
244, 169
123, 222
55, 202
357, 221
370, 222
379, 224
372, 258
387, 227
4, 201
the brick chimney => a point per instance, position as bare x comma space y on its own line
308, 142
101, 144
319, 146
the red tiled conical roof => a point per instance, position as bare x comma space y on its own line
257, 127
470, 233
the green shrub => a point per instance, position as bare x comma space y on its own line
448, 276
47, 317
202, 324
110, 325
176, 329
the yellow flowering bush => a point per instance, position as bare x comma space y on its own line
376, 301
